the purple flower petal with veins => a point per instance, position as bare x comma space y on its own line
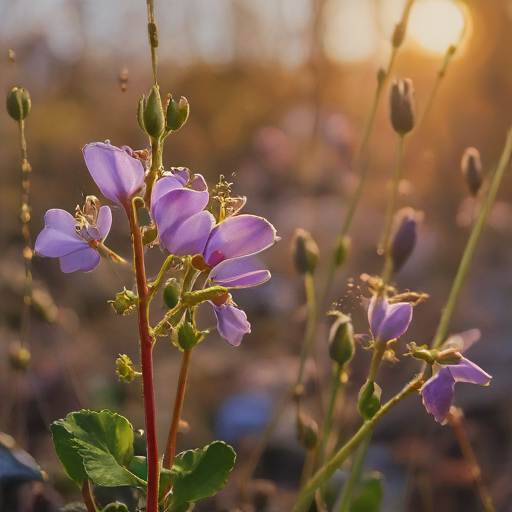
388, 321
59, 239
118, 175
438, 391
232, 323
239, 273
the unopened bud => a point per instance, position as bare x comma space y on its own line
402, 106
19, 357
150, 113
149, 234
471, 166
369, 400
405, 237
305, 253
399, 34
124, 302
341, 250
341, 339
171, 294
307, 432
185, 336
381, 76
18, 104
177, 114
125, 370
115, 507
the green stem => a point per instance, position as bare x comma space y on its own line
154, 170
153, 37
309, 336
323, 475
469, 252
158, 281
355, 474
378, 353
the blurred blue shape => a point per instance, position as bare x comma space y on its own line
241, 415
16, 465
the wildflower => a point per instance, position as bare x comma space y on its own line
388, 321
404, 239
74, 240
232, 322
117, 173
438, 391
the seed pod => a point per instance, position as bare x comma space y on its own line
171, 294
177, 114
405, 237
307, 432
369, 400
341, 340
185, 336
153, 117
471, 166
402, 106
18, 104
305, 253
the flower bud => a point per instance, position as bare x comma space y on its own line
341, 339
124, 302
402, 106
171, 294
150, 114
19, 357
149, 234
125, 370
399, 34
405, 237
307, 432
18, 104
177, 114
185, 336
381, 76
115, 507
341, 250
471, 166
305, 253
369, 400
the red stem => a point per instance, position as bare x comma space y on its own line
88, 497
146, 348
170, 449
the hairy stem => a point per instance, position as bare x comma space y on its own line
170, 449
154, 170
146, 351
469, 252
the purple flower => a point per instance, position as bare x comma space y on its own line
183, 225
438, 391
388, 321
231, 322
72, 242
117, 173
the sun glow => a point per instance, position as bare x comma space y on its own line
437, 24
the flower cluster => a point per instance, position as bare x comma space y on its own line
223, 250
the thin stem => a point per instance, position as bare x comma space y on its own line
146, 349
88, 497
469, 252
355, 474
456, 421
153, 37
154, 170
378, 354
325, 472
308, 467
158, 281
309, 336
170, 449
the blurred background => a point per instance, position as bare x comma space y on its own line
279, 91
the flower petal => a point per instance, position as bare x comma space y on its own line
59, 237
395, 323
189, 237
467, 371
176, 206
437, 394
239, 236
232, 323
239, 273
377, 312
198, 183
104, 221
86, 260
164, 186
118, 175
462, 341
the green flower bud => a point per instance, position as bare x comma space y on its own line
125, 369
125, 302
177, 114
150, 114
18, 104
185, 336
341, 339
341, 250
171, 294
199, 296
305, 253
115, 507
307, 432
149, 234
369, 400
471, 166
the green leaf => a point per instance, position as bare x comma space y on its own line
372, 492
115, 507
67, 452
198, 474
104, 443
